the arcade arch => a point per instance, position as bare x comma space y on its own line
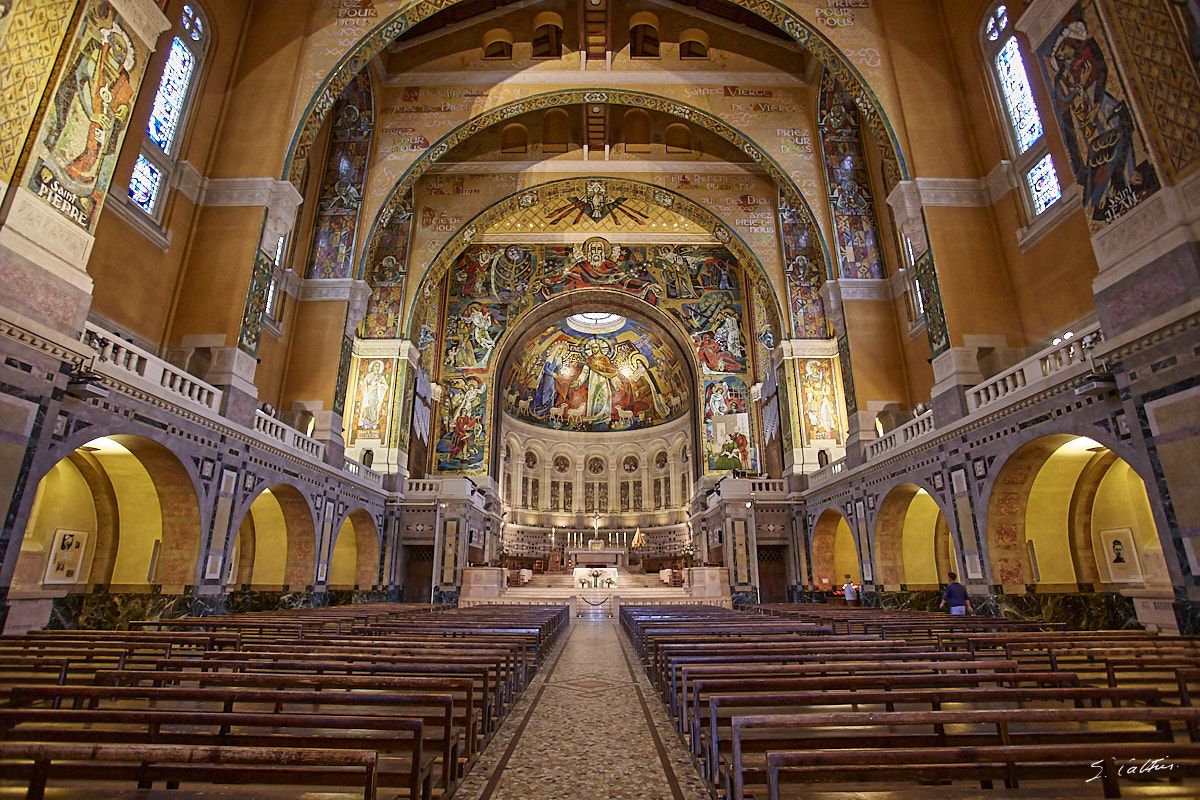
913, 547
121, 511
834, 552
354, 557
276, 542
1066, 510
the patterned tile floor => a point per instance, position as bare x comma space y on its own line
589, 726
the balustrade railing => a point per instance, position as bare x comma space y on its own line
363, 471
1043, 369
913, 429
127, 362
827, 472
287, 435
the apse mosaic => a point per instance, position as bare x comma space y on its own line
342, 185
73, 157
616, 380
489, 286
1107, 151
855, 225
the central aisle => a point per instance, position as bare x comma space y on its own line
588, 726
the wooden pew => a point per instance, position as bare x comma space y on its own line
1097, 730
402, 763
35, 764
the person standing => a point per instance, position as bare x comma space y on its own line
851, 594
956, 597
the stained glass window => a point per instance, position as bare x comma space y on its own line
1043, 184
172, 94
143, 185
1022, 111
997, 23
156, 163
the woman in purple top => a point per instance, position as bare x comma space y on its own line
956, 596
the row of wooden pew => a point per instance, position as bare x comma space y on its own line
780, 702
382, 697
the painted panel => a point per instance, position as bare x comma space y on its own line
373, 399
72, 160
727, 443
462, 444
855, 226
818, 398
332, 253
802, 263
1107, 150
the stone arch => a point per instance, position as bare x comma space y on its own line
137, 506
278, 522
1070, 496
640, 100
834, 551
678, 203
912, 540
803, 31
354, 556
579, 301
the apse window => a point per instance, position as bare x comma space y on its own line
497, 45
596, 322
643, 35
1023, 122
693, 45
547, 35
172, 101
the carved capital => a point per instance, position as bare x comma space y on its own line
144, 19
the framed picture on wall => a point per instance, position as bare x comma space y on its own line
1118, 551
66, 556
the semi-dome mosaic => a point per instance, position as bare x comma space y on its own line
612, 378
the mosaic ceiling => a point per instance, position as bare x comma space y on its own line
596, 372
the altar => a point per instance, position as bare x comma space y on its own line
598, 551
594, 577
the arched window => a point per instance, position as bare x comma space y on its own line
514, 139
1024, 132
176, 91
693, 44
635, 131
678, 138
497, 44
643, 35
556, 132
547, 35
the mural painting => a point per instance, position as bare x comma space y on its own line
764, 331
624, 379
1108, 154
728, 444
850, 194
818, 398
74, 155
341, 189
372, 400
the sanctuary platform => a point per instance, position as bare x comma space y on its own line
701, 586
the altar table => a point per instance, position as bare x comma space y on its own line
585, 574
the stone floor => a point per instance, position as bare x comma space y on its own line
588, 726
